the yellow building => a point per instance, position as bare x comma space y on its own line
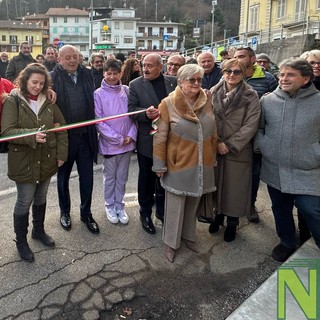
15, 32
268, 20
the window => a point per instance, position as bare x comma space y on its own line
300, 9
13, 39
281, 6
55, 20
128, 25
140, 43
65, 19
141, 29
127, 40
76, 20
14, 48
318, 4
170, 30
169, 43
116, 39
29, 39
3, 48
3, 38
45, 23
117, 25
254, 11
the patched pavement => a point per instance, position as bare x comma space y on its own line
87, 276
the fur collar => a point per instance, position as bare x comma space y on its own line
182, 107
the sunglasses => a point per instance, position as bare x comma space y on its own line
313, 63
194, 80
236, 72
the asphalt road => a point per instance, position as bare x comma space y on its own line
97, 276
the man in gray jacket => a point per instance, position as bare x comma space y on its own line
289, 141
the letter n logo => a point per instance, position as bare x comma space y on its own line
305, 296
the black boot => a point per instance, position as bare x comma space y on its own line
21, 223
38, 233
230, 233
215, 225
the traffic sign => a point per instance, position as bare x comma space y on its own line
254, 42
61, 44
56, 42
166, 37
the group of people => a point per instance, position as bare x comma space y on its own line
199, 129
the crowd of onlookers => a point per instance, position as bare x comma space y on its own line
204, 131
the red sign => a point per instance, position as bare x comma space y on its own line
56, 42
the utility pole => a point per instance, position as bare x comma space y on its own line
214, 2
91, 27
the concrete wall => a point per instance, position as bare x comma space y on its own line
279, 50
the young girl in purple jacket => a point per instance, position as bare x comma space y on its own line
116, 139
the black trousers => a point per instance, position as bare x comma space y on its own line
79, 153
150, 191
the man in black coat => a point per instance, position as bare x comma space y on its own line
19, 62
74, 86
146, 92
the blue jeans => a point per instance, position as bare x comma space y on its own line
79, 152
28, 193
282, 207
149, 189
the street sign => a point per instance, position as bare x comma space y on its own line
254, 41
196, 32
56, 42
60, 44
166, 37
103, 46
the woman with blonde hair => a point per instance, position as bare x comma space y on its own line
237, 111
184, 154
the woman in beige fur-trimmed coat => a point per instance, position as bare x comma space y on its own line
237, 110
184, 154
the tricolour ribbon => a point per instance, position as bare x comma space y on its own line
69, 126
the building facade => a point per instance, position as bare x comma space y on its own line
14, 32
268, 20
70, 26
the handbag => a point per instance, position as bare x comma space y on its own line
205, 211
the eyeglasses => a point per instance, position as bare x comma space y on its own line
176, 65
313, 63
194, 80
235, 72
98, 61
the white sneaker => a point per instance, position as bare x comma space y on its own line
123, 217
112, 215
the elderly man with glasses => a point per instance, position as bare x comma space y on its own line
96, 62
174, 63
212, 72
4, 61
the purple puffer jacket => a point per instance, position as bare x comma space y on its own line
110, 101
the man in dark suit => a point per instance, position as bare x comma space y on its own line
146, 92
74, 86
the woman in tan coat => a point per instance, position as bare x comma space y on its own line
184, 154
237, 111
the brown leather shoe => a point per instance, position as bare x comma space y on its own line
191, 245
169, 253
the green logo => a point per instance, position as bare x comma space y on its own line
305, 295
